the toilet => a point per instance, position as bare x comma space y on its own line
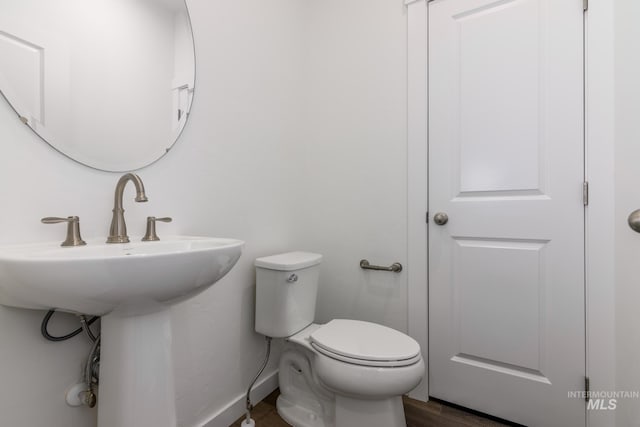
345, 373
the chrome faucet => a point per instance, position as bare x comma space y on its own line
118, 230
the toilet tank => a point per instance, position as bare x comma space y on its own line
286, 289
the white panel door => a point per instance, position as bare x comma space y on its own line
506, 272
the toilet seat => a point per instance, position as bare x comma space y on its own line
365, 343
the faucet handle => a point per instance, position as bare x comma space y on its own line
73, 229
151, 235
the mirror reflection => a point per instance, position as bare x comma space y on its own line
109, 83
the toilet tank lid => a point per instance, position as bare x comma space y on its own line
289, 261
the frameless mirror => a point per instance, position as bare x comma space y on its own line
108, 83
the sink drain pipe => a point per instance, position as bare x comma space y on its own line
248, 422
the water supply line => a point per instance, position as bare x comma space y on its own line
83, 321
248, 422
90, 374
85, 327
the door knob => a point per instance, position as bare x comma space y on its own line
634, 220
442, 218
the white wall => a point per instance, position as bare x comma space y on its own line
239, 151
229, 175
355, 155
627, 194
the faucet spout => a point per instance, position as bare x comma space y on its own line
118, 229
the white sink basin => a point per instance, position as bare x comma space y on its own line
97, 278
131, 286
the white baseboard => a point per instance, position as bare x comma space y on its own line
236, 408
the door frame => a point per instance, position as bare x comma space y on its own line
599, 214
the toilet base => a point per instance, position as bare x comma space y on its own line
369, 413
304, 402
298, 415
348, 413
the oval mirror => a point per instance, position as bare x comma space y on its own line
108, 83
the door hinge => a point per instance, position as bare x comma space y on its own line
585, 193
585, 5
587, 388
426, 217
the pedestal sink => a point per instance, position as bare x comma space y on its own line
131, 286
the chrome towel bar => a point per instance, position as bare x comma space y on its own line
396, 267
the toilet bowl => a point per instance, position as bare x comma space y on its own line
345, 373
330, 389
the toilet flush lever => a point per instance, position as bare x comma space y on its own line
292, 278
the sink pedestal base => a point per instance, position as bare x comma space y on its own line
136, 370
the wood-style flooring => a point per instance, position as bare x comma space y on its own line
418, 414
